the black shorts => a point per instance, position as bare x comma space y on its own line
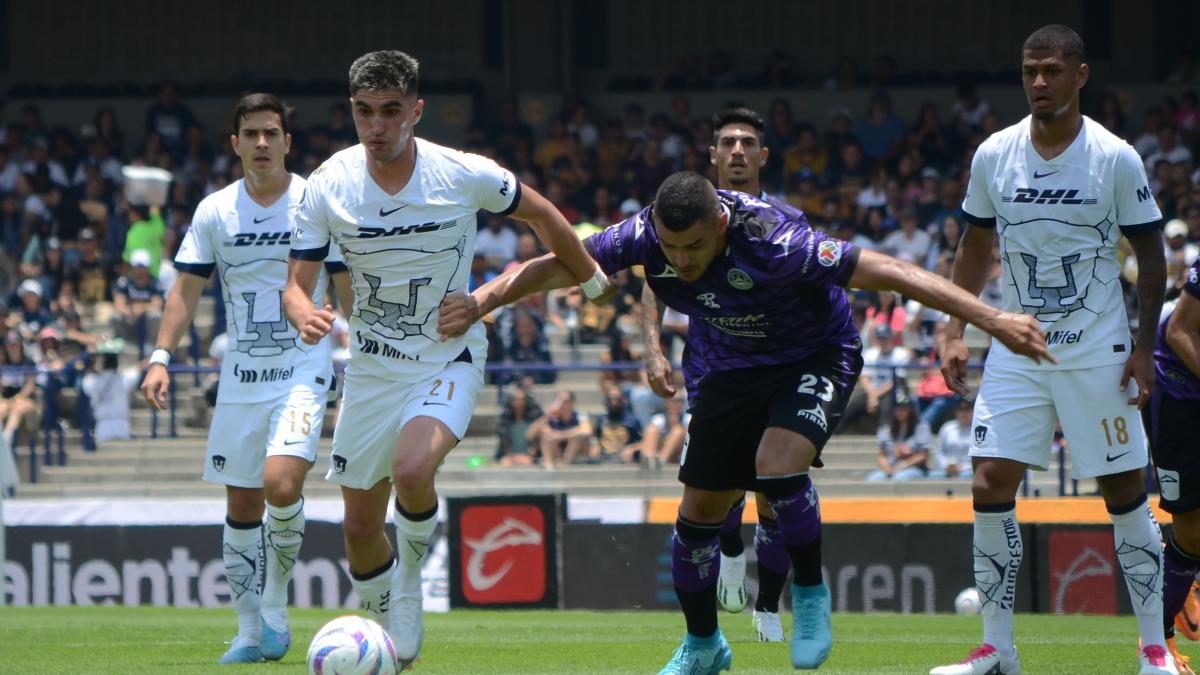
733, 408
1171, 425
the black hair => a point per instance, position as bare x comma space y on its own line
259, 102
682, 199
390, 69
738, 116
1056, 38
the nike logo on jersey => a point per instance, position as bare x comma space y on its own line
667, 273
295, 442
385, 214
1113, 458
262, 220
1043, 175
435, 403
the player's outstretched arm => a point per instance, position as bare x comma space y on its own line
178, 310
658, 366
1151, 285
460, 310
313, 323
971, 263
557, 234
1019, 332
1183, 331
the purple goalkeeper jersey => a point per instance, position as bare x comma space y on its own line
1172, 375
775, 296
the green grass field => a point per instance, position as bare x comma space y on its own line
149, 640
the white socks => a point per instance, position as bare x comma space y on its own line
1140, 554
412, 546
284, 534
242, 551
997, 549
374, 590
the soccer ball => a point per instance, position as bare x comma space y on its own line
351, 645
968, 602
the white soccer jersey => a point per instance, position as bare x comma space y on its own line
248, 245
1058, 222
405, 251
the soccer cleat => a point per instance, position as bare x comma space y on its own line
983, 660
241, 651
1181, 661
731, 583
274, 644
812, 629
407, 625
697, 656
1187, 621
1156, 660
768, 627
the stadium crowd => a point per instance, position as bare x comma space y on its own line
81, 265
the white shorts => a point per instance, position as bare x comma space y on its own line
374, 410
1015, 412
243, 435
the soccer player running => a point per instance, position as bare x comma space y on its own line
402, 212
739, 154
1060, 190
271, 403
1171, 419
772, 357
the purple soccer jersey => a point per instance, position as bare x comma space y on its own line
1171, 373
775, 296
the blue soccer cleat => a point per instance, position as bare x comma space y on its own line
274, 644
700, 656
240, 652
812, 631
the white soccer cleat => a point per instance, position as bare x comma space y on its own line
768, 627
406, 625
1156, 660
731, 583
983, 660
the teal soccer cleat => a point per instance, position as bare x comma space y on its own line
240, 652
274, 644
700, 656
812, 631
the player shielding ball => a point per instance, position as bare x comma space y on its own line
773, 354
402, 211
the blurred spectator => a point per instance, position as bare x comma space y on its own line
497, 242
903, 445
845, 75
138, 300
92, 275
145, 234
1146, 142
16, 389
8, 171
481, 272
969, 110
515, 428
1169, 150
108, 132
527, 344
553, 147
169, 118
619, 351
562, 433
886, 310
909, 243
934, 397
882, 380
618, 433
1112, 116
945, 242
53, 271
928, 137
33, 315
880, 131
1180, 253
952, 450
665, 433
109, 391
